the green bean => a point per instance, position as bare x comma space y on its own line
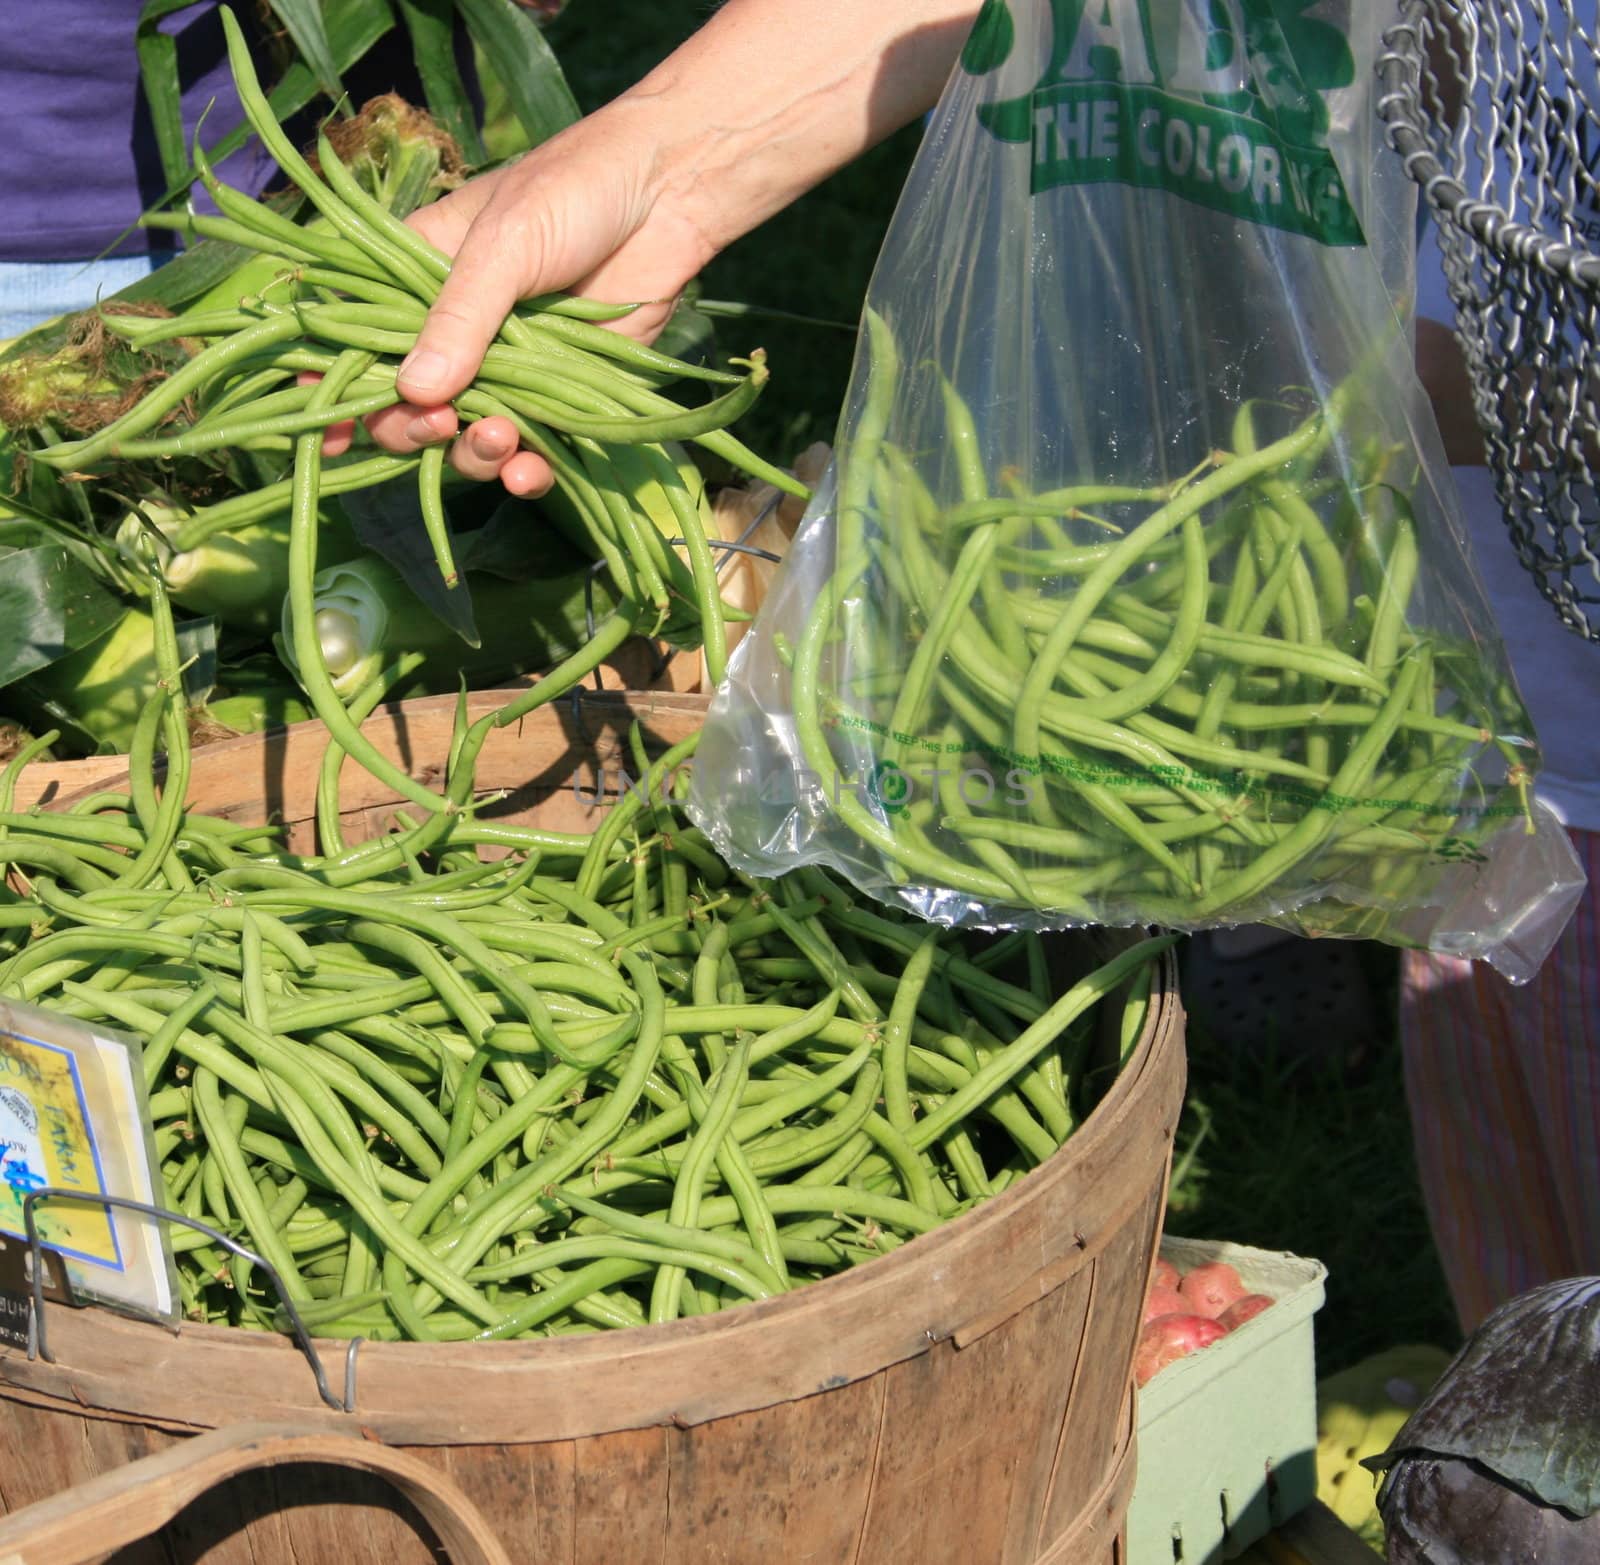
1394, 594
252, 427
265, 124
509, 1198
1315, 825
273, 498
427, 258
726, 1088
222, 1142
897, 1033
1224, 481
156, 404
399, 1243
662, 1231
1003, 1066
227, 229
579, 333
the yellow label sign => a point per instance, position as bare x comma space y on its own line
47, 1138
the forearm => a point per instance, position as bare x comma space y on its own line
772, 96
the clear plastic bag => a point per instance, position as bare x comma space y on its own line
1137, 591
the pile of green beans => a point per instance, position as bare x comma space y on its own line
1209, 698
356, 287
471, 1079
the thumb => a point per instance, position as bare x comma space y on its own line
550, 220
475, 297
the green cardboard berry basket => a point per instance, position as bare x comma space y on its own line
1228, 1435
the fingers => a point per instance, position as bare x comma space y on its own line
444, 223
474, 299
544, 223
338, 438
527, 475
488, 450
406, 428
484, 449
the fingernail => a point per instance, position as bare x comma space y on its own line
422, 368
422, 430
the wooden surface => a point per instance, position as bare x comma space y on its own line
552, 766
962, 1401
637, 669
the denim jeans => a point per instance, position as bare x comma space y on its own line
33, 292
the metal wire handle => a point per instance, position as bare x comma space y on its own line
39, 1345
1512, 176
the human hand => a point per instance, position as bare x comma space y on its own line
586, 213
768, 98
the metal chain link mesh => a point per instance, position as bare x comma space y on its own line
1494, 105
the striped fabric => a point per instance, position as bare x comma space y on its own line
1504, 1088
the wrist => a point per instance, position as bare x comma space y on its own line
773, 96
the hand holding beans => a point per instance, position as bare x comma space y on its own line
763, 102
573, 215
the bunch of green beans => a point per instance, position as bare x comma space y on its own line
1209, 699
355, 290
596, 1081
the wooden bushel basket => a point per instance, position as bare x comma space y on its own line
964, 1400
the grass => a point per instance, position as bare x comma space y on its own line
1287, 1155
1270, 1155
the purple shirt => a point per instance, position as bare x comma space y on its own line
78, 159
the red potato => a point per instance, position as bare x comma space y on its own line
1165, 1275
1165, 1301
1211, 1288
1170, 1338
1241, 1310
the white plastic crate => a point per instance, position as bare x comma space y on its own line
1228, 1435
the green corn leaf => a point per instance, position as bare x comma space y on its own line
431, 25
302, 20
352, 27
512, 47
51, 605
197, 654
95, 695
23, 526
186, 277
158, 71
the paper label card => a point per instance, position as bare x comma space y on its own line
46, 1138
74, 1117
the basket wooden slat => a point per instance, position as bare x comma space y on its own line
637, 666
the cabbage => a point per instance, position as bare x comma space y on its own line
1501, 1462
